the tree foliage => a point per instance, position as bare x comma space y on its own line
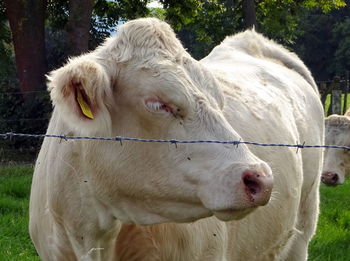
108, 14
6, 62
280, 19
324, 42
105, 17
341, 40
324, 5
202, 24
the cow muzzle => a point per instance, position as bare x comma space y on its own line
330, 178
257, 186
235, 194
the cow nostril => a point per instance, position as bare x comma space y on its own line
335, 177
257, 186
330, 178
252, 185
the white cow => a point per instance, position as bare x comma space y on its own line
98, 200
336, 161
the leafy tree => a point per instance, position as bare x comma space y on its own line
202, 24
181, 13
341, 39
280, 19
249, 14
324, 42
78, 25
63, 38
6, 62
108, 14
14, 112
314, 45
26, 19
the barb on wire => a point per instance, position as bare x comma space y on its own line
237, 142
10, 135
300, 146
120, 140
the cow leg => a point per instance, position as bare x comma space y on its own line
306, 224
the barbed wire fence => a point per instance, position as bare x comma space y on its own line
10, 135
30, 152
16, 116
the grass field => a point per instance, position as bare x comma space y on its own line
331, 243
15, 243
332, 240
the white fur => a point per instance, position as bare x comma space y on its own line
337, 133
90, 200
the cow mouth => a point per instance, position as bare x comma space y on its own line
232, 214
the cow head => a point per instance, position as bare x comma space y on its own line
336, 161
142, 83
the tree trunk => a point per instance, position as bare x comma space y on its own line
78, 27
26, 19
229, 4
249, 15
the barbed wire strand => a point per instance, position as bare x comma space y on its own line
23, 92
10, 135
15, 120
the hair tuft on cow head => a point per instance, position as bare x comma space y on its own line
338, 121
143, 38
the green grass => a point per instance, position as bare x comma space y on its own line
15, 243
332, 240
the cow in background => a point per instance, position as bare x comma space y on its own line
98, 200
336, 161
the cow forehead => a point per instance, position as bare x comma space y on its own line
183, 77
338, 121
337, 127
337, 135
151, 44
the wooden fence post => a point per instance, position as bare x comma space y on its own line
346, 90
323, 91
335, 97
336, 101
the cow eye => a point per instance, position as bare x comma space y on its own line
155, 105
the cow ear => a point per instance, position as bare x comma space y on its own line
81, 93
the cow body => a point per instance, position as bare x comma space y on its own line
96, 200
336, 161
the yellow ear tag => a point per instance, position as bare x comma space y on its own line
85, 108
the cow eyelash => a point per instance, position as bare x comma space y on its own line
156, 106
